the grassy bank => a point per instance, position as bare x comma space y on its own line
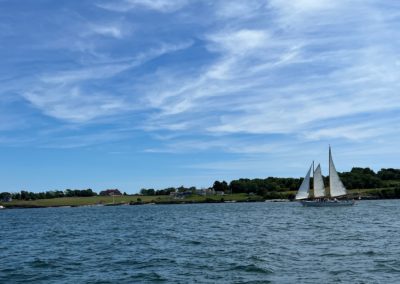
129, 199
166, 199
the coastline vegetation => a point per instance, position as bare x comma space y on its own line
361, 182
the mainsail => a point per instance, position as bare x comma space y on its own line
319, 188
304, 187
335, 184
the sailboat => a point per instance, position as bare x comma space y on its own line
321, 197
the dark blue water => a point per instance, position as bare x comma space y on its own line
205, 243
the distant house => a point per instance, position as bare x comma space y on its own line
180, 195
110, 192
219, 192
205, 191
184, 194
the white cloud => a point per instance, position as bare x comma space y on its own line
303, 6
70, 95
356, 131
238, 42
290, 81
310, 13
71, 104
101, 71
107, 30
164, 6
238, 9
302, 69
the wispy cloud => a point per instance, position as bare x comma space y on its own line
238, 42
76, 95
107, 30
164, 6
232, 83
71, 104
238, 9
102, 71
284, 79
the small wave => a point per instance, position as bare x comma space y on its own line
127, 262
151, 276
369, 253
39, 263
193, 242
256, 258
252, 268
332, 254
342, 271
256, 282
386, 266
9, 270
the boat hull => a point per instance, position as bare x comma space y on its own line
327, 203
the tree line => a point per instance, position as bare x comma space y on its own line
271, 187
357, 178
28, 195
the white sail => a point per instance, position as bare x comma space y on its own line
304, 189
336, 186
319, 188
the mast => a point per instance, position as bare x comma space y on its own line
328, 190
313, 178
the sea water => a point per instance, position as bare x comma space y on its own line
204, 243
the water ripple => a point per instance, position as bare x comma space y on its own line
205, 243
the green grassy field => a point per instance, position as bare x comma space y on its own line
166, 199
108, 200
81, 201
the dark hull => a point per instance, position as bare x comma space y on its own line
327, 203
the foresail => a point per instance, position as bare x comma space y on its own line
335, 184
319, 188
304, 189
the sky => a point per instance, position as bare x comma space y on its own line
135, 94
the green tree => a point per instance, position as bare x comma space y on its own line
220, 186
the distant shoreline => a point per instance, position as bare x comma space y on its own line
129, 200
137, 200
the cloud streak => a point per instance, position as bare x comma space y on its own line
163, 6
238, 83
286, 78
77, 95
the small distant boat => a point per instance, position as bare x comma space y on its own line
334, 195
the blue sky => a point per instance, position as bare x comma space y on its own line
139, 93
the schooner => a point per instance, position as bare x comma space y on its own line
323, 196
